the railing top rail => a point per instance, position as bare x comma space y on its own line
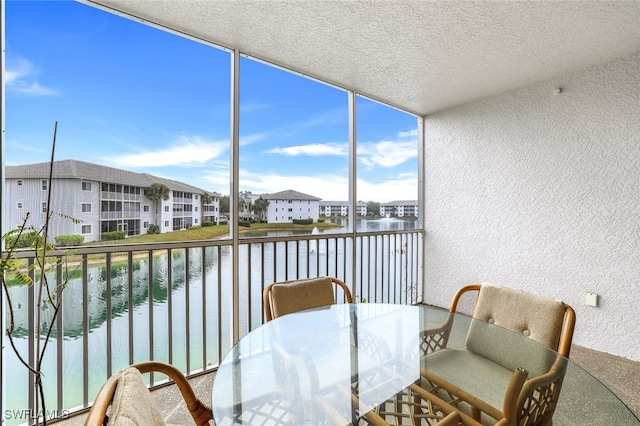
125, 247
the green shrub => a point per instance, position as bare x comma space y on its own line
321, 220
113, 235
69, 240
244, 223
303, 221
207, 223
27, 239
153, 229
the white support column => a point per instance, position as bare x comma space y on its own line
3, 390
422, 198
235, 190
353, 181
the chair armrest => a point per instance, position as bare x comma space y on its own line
98, 413
434, 339
510, 409
200, 411
539, 395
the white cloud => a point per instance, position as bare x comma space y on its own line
325, 186
386, 153
218, 180
250, 139
20, 78
315, 149
402, 187
248, 107
187, 151
329, 187
413, 133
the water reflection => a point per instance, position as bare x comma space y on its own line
362, 225
97, 312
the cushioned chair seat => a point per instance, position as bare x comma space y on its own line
481, 377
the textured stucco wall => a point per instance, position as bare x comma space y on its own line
541, 191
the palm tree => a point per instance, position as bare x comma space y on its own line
156, 192
260, 206
205, 199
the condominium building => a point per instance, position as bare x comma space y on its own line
91, 199
340, 208
400, 208
285, 206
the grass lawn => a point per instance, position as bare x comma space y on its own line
211, 232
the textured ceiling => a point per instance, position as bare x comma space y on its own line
421, 56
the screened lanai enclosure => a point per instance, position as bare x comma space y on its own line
460, 142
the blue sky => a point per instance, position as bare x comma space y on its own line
131, 96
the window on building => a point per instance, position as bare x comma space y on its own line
166, 208
145, 209
166, 223
44, 184
145, 224
86, 229
44, 207
19, 205
86, 186
86, 207
19, 182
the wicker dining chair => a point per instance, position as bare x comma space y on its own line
125, 399
513, 382
285, 297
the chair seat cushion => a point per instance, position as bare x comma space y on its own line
132, 403
472, 373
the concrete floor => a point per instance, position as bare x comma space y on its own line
620, 375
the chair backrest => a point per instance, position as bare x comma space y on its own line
544, 320
127, 399
132, 402
285, 297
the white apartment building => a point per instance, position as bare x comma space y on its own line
400, 208
340, 208
285, 206
101, 199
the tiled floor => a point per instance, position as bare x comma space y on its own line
620, 375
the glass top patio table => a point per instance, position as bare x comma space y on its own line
302, 368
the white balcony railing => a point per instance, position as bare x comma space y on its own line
173, 302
